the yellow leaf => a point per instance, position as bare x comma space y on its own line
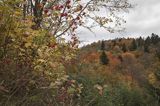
28, 44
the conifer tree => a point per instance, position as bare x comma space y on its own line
102, 45
103, 57
154, 38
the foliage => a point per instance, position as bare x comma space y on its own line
31, 60
97, 93
39, 68
131, 78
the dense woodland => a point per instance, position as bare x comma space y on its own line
125, 71
38, 67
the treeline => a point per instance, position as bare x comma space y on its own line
127, 44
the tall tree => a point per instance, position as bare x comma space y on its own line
103, 45
103, 57
154, 38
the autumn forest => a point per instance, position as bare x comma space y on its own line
42, 64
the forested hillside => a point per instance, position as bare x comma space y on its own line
41, 64
123, 71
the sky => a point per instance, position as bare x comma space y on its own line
142, 20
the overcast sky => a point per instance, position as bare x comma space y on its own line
142, 20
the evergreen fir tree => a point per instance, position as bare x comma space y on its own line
154, 38
102, 45
103, 57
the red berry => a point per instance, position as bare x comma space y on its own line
64, 14
61, 6
46, 11
57, 8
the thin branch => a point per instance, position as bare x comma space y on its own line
73, 20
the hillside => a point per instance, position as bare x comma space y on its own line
131, 75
